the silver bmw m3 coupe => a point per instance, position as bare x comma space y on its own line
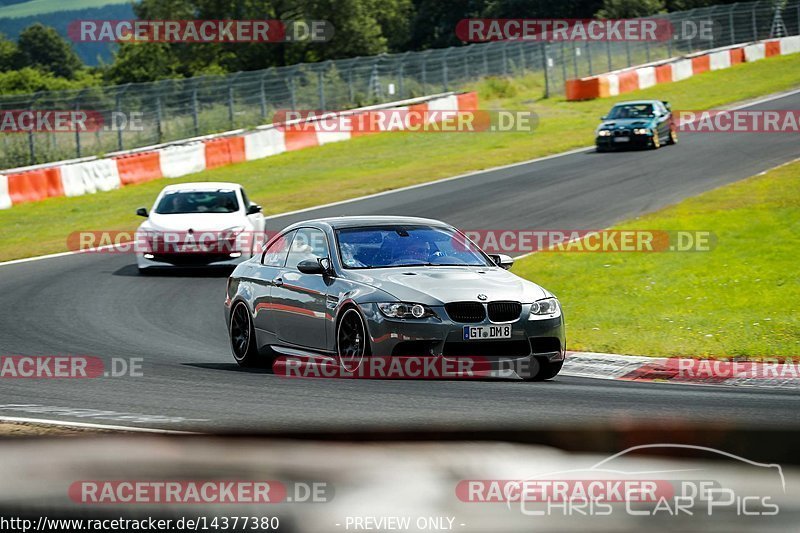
339, 289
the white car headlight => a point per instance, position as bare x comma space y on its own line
604, 133
547, 308
641, 131
405, 310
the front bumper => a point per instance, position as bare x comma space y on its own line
189, 260
634, 141
531, 342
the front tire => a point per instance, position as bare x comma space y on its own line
243, 338
655, 144
352, 342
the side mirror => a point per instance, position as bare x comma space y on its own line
253, 209
315, 266
503, 261
142, 212
666, 104
604, 117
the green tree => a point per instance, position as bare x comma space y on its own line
621, 9
8, 54
41, 47
140, 62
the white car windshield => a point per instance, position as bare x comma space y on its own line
184, 202
393, 246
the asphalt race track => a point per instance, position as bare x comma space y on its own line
98, 305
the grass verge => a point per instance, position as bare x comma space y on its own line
388, 161
740, 299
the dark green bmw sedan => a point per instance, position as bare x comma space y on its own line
640, 124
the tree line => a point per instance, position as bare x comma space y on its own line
41, 59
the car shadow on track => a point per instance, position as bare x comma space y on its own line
230, 367
176, 272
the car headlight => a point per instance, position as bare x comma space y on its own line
405, 310
604, 133
641, 131
547, 308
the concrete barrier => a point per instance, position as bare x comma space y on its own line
5, 199
90, 177
177, 161
263, 143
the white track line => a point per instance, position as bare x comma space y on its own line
777, 96
89, 425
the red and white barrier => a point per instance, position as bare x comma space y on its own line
180, 160
676, 69
682, 370
5, 199
263, 143
92, 175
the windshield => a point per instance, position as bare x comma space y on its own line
176, 203
392, 246
631, 111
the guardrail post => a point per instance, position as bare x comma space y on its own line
321, 88
546, 70
521, 57
159, 130
444, 70
575, 52
563, 63
400, 80
628, 51
77, 131
589, 56
505, 59
230, 103
119, 130
263, 95
755, 23
292, 98
732, 24
424, 73
195, 118
608, 55
350, 90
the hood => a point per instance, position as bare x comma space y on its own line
626, 123
440, 285
194, 221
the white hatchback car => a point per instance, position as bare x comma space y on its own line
199, 225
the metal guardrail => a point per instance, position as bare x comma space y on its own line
175, 109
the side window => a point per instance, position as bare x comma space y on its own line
245, 200
308, 244
275, 254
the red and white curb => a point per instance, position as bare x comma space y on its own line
768, 374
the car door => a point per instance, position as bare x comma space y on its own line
299, 300
663, 120
272, 262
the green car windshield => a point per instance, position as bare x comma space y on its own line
631, 111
